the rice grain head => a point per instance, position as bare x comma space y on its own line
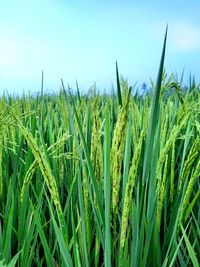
96, 146
129, 188
175, 132
161, 193
188, 193
44, 167
28, 178
172, 172
117, 151
193, 154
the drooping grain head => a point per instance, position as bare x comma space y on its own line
117, 151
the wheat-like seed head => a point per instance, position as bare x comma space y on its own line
129, 188
28, 178
166, 148
44, 167
161, 193
172, 172
193, 154
186, 199
117, 150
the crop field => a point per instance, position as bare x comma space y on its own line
101, 180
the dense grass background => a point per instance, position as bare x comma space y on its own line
101, 180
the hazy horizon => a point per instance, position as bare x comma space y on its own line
82, 40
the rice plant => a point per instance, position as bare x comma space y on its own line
101, 180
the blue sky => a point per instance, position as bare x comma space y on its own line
83, 39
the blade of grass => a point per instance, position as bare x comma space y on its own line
172, 262
47, 252
190, 249
153, 117
119, 95
84, 236
63, 249
8, 233
13, 262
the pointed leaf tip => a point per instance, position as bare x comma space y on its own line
118, 86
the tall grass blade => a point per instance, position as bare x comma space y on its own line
119, 94
63, 248
153, 117
47, 252
190, 249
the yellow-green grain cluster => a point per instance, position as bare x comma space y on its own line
174, 134
193, 154
195, 175
96, 146
44, 167
172, 172
129, 188
117, 151
161, 193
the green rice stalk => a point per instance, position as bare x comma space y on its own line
172, 173
197, 125
34, 165
188, 193
117, 151
59, 143
28, 178
153, 126
137, 114
86, 207
75, 147
129, 189
193, 154
164, 129
175, 132
161, 194
44, 167
59, 153
119, 95
137, 119
96, 146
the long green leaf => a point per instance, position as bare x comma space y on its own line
119, 94
153, 117
47, 252
190, 249
63, 249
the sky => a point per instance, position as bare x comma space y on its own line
81, 40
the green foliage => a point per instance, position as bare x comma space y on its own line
56, 180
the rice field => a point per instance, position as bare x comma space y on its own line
101, 180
